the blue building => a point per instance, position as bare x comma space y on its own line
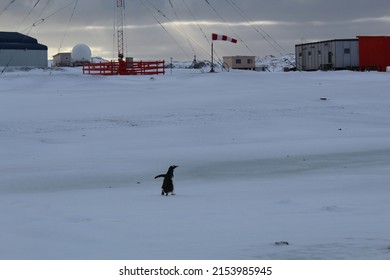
20, 50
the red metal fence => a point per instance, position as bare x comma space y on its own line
125, 68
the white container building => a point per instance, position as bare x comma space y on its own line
336, 54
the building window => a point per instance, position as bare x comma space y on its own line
238, 61
309, 53
300, 54
347, 51
249, 61
319, 52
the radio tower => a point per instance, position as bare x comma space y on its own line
123, 67
120, 10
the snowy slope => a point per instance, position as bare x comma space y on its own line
262, 159
268, 63
276, 64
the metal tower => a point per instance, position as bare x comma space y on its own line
123, 67
120, 10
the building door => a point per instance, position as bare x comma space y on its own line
303, 64
330, 56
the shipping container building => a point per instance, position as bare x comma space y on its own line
336, 54
374, 53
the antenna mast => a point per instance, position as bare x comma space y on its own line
120, 10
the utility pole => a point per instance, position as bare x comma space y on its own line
212, 57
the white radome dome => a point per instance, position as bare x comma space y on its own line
81, 52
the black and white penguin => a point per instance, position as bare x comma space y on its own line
167, 186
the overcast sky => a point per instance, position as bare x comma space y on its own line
155, 30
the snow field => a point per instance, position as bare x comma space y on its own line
261, 158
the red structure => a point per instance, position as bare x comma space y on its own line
122, 67
374, 53
125, 68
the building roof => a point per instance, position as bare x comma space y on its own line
17, 41
327, 41
238, 56
62, 54
374, 36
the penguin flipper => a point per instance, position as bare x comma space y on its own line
158, 176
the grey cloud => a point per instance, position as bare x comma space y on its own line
287, 21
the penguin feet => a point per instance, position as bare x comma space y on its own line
166, 193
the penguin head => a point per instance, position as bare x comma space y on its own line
171, 169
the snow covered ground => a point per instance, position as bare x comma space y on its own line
262, 157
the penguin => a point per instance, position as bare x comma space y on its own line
167, 186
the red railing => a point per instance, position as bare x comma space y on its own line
125, 68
